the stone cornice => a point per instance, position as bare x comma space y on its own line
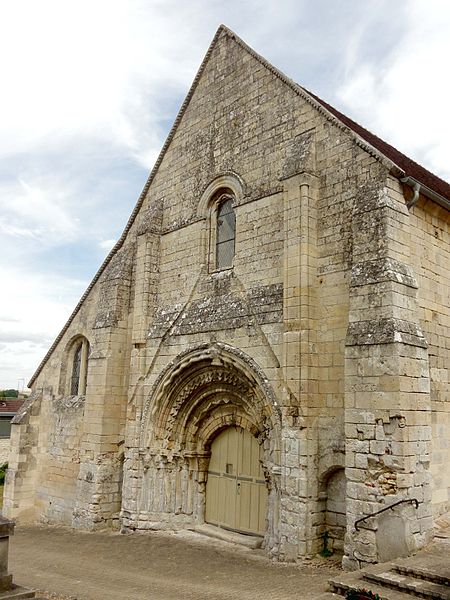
384, 269
384, 331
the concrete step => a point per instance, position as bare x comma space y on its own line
409, 585
422, 573
341, 585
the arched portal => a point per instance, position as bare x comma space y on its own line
200, 395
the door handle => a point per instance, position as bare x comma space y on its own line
238, 487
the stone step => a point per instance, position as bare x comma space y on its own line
341, 585
250, 541
422, 573
16, 593
410, 585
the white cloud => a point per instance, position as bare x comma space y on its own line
37, 210
106, 244
95, 67
405, 98
35, 308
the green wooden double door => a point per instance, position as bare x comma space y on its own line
236, 491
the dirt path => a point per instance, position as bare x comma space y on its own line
156, 566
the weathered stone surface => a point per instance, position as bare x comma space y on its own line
385, 331
386, 269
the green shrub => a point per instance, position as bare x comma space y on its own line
3, 469
326, 551
361, 594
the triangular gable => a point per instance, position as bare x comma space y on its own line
396, 162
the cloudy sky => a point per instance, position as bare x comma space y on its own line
90, 89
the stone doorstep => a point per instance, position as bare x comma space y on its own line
250, 541
411, 585
422, 573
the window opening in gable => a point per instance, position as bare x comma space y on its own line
226, 235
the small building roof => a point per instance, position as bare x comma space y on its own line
10, 406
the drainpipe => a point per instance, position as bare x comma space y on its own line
420, 188
415, 186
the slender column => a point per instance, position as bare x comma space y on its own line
296, 535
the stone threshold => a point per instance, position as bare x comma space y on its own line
249, 541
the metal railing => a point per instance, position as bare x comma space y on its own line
377, 512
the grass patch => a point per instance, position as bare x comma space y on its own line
2, 481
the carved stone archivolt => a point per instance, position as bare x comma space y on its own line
202, 392
199, 374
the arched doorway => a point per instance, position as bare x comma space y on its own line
236, 492
200, 395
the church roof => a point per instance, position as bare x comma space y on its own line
409, 166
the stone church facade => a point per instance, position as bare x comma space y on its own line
266, 348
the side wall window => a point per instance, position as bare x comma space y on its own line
76, 368
78, 374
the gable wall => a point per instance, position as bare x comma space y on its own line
243, 119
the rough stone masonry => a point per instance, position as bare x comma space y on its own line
312, 314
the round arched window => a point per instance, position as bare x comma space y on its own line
225, 233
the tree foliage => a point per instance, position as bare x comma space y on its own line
9, 393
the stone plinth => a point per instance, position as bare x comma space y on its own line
6, 529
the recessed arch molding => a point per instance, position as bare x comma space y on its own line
210, 380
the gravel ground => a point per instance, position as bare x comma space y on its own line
68, 565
